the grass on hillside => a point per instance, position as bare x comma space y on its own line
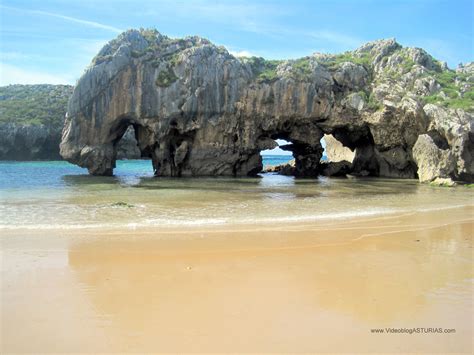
34, 104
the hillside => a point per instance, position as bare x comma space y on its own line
34, 104
32, 119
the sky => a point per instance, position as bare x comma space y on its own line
53, 41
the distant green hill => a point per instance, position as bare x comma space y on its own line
32, 119
34, 104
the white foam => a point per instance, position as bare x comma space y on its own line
173, 222
162, 222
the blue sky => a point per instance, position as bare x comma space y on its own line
52, 41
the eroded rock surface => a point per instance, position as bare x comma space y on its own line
197, 110
336, 152
29, 142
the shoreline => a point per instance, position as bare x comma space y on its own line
266, 289
229, 226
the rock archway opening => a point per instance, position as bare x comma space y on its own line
337, 159
278, 158
350, 150
131, 149
127, 145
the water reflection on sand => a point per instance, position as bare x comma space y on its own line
314, 287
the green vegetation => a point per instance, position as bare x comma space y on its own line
268, 75
371, 102
264, 70
166, 78
407, 65
150, 34
465, 104
334, 62
172, 60
447, 79
34, 104
137, 54
442, 184
437, 64
301, 69
269, 72
391, 74
403, 68
122, 204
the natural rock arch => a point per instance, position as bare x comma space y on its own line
197, 110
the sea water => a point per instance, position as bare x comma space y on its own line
56, 194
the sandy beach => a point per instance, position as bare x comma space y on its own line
319, 287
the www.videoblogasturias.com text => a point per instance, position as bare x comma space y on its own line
413, 330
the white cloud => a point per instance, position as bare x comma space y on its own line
10, 74
83, 22
243, 53
67, 18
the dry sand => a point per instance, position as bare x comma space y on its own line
295, 288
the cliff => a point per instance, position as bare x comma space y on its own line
32, 119
197, 110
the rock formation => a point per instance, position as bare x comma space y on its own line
197, 110
335, 151
32, 119
281, 169
29, 142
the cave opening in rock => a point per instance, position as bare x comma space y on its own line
127, 145
335, 150
279, 155
130, 160
324, 157
129, 155
336, 159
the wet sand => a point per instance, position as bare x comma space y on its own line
317, 287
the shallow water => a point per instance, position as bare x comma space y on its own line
79, 275
49, 195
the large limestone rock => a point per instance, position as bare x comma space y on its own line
453, 130
340, 168
336, 152
432, 160
197, 110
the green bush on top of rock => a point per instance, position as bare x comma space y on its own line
166, 77
335, 61
262, 69
301, 69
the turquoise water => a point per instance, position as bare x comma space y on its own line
33, 174
276, 159
46, 195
